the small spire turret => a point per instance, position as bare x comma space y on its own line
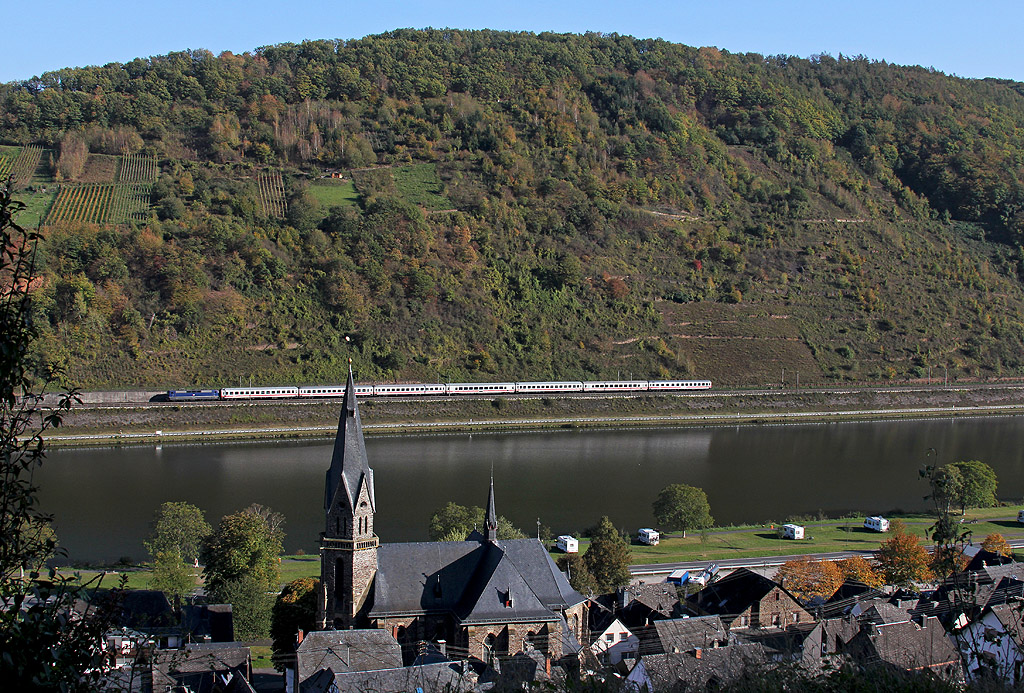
491, 518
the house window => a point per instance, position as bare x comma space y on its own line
623, 636
610, 637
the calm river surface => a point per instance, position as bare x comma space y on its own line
104, 499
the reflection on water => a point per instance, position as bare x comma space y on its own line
104, 499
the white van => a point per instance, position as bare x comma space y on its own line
876, 523
792, 532
568, 544
648, 536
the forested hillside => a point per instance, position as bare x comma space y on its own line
484, 205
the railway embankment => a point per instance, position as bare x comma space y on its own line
124, 418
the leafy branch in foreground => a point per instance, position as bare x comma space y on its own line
48, 641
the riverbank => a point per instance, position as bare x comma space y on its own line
153, 423
718, 544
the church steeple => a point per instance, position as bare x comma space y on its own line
349, 467
348, 547
491, 518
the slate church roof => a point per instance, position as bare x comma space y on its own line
477, 581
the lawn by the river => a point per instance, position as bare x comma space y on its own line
822, 536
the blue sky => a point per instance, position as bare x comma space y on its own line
963, 38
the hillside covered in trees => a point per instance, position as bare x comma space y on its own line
478, 205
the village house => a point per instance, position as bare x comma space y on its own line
611, 640
745, 599
993, 645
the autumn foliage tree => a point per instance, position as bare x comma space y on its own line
997, 544
902, 559
859, 570
808, 579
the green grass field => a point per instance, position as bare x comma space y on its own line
334, 193
718, 543
821, 537
37, 204
420, 185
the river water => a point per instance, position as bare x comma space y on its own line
103, 500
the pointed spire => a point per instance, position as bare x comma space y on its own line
349, 466
491, 518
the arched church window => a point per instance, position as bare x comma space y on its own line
488, 653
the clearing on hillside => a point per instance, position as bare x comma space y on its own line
722, 340
99, 168
420, 185
331, 192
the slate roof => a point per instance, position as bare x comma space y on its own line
708, 671
846, 597
600, 613
981, 558
347, 650
478, 582
972, 593
447, 677
682, 634
194, 663
349, 466
781, 643
145, 610
659, 596
906, 645
1012, 618
213, 620
882, 612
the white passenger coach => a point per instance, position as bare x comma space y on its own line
435, 389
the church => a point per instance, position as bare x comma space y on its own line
483, 598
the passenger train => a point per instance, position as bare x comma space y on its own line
439, 389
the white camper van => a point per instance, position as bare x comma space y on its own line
792, 532
876, 523
568, 544
648, 536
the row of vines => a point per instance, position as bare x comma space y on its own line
100, 203
136, 168
272, 195
21, 166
